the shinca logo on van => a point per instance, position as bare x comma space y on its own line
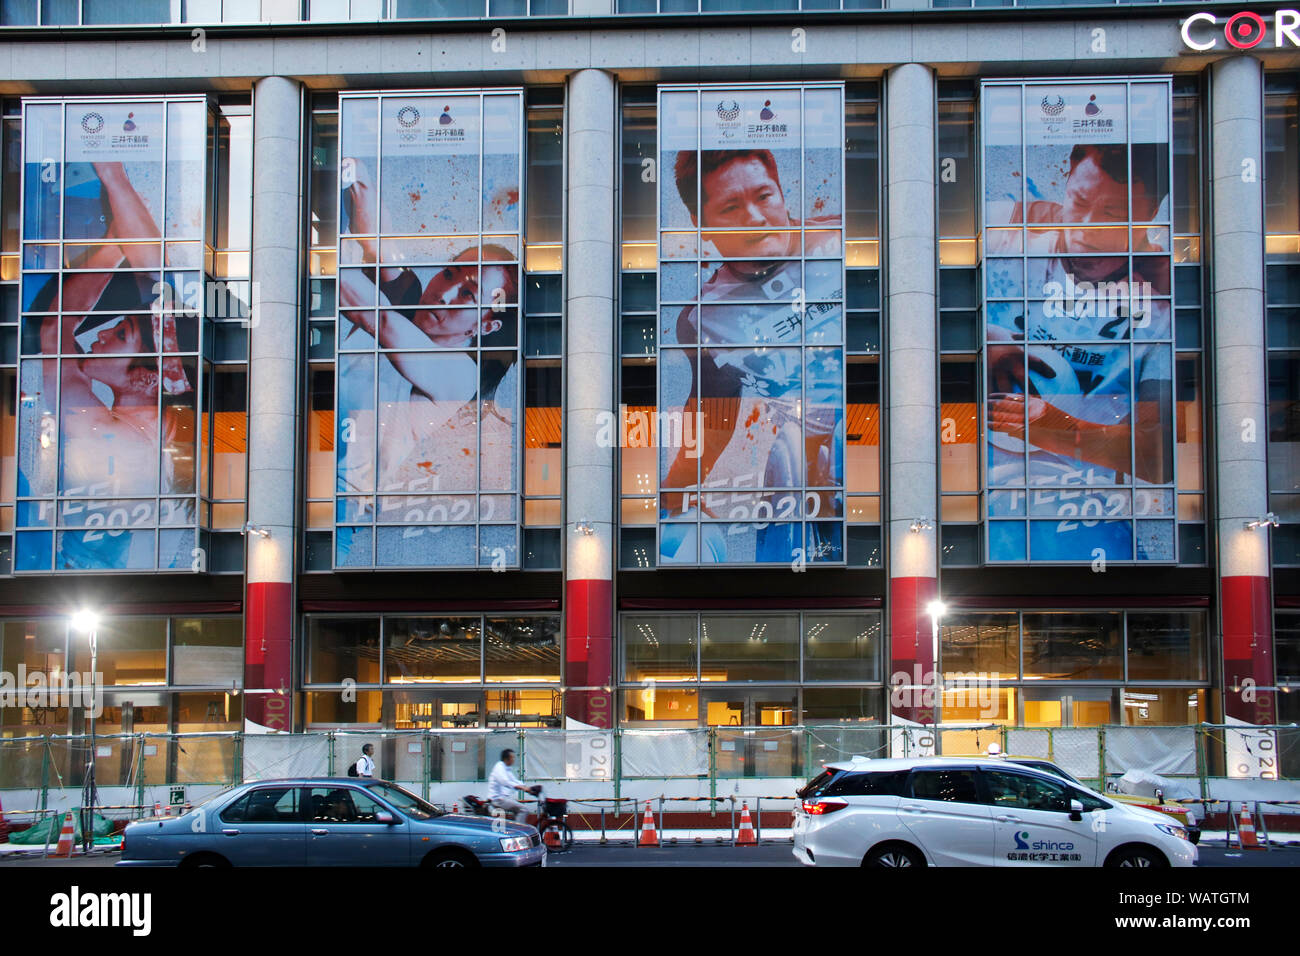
1054, 845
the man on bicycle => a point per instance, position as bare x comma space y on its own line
501, 786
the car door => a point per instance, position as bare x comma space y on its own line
342, 829
1031, 816
944, 810
263, 827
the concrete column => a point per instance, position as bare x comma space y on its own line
912, 414
589, 365
1240, 377
273, 390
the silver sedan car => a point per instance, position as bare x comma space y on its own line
337, 821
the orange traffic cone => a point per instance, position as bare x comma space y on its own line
157, 809
1246, 830
745, 835
66, 836
551, 838
649, 835
455, 808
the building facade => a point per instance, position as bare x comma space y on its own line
651, 364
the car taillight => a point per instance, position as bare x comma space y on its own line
818, 808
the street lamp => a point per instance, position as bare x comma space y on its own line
936, 609
87, 622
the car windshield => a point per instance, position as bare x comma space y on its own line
405, 801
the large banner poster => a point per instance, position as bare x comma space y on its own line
428, 376
1078, 330
113, 201
751, 324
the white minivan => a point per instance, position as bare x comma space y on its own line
954, 811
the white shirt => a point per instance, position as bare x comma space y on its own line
365, 767
502, 782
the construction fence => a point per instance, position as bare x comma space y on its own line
425, 759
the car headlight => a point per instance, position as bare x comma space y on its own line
514, 844
1172, 830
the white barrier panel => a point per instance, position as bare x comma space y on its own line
270, 756
1075, 751
1028, 742
1161, 750
665, 753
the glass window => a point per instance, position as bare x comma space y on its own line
523, 708
327, 709
429, 402
754, 389
841, 647
745, 647
1166, 646
342, 805
1088, 269
129, 651
124, 307
342, 649
405, 801
207, 650
1287, 645
659, 647
522, 648
1162, 706
264, 805
432, 649
1282, 172
835, 704
1020, 791
952, 786
975, 643
1067, 645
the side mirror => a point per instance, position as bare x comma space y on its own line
383, 816
1076, 811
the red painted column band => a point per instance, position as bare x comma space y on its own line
1247, 649
268, 654
910, 642
588, 651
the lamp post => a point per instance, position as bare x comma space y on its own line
87, 622
936, 609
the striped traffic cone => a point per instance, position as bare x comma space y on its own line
66, 838
745, 835
1246, 829
649, 835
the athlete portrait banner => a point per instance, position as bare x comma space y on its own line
428, 370
111, 298
1078, 321
751, 325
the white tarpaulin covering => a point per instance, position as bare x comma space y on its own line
1155, 749
665, 753
268, 756
1251, 753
